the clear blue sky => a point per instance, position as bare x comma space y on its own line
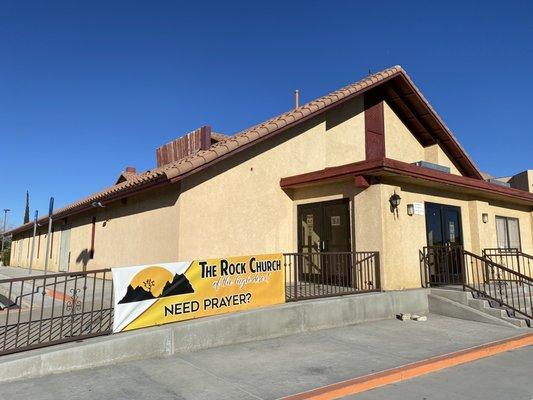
88, 88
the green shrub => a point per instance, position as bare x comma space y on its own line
6, 256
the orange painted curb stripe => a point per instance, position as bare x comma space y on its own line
408, 371
58, 295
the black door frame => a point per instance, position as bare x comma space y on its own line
322, 204
319, 257
446, 259
443, 207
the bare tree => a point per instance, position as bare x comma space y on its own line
149, 284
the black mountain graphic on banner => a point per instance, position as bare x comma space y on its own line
179, 285
137, 294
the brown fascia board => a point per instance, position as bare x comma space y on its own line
331, 173
451, 141
400, 168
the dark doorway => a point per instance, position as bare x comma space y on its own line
445, 240
323, 233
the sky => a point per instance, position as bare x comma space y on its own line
88, 88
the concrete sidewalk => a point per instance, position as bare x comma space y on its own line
267, 369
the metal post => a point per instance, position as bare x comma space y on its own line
6, 210
33, 241
47, 254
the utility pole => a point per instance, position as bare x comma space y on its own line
47, 254
6, 210
33, 241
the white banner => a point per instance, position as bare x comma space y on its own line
137, 288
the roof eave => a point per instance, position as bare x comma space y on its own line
375, 167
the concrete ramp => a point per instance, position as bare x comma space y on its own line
260, 324
233, 329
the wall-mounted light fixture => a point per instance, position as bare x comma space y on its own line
394, 201
485, 218
410, 209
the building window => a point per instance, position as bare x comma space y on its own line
508, 233
93, 232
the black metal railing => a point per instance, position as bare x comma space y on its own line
37, 311
498, 283
511, 258
313, 275
441, 265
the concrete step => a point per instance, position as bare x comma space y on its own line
485, 306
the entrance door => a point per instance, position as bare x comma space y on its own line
64, 249
445, 240
323, 232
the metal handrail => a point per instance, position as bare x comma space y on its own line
80, 306
55, 275
499, 266
441, 265
489, 279
324, 274
512, 258
512, 250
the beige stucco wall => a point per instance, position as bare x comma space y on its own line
402, 236
487, 237
239, 205
141, 230
236, 207
401, 144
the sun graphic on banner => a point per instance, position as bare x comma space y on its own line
152, 279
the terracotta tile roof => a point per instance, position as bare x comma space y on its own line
125, 176
218, 137
259, 131
226, 145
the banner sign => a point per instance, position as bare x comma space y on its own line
157, 294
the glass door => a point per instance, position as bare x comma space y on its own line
445, 240
324, 231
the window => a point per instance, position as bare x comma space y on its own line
508, 233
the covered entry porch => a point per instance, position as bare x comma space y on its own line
326, 262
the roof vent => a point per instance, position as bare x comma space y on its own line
495, 181
436, 167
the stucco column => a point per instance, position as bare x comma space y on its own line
368, 221
481, 234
